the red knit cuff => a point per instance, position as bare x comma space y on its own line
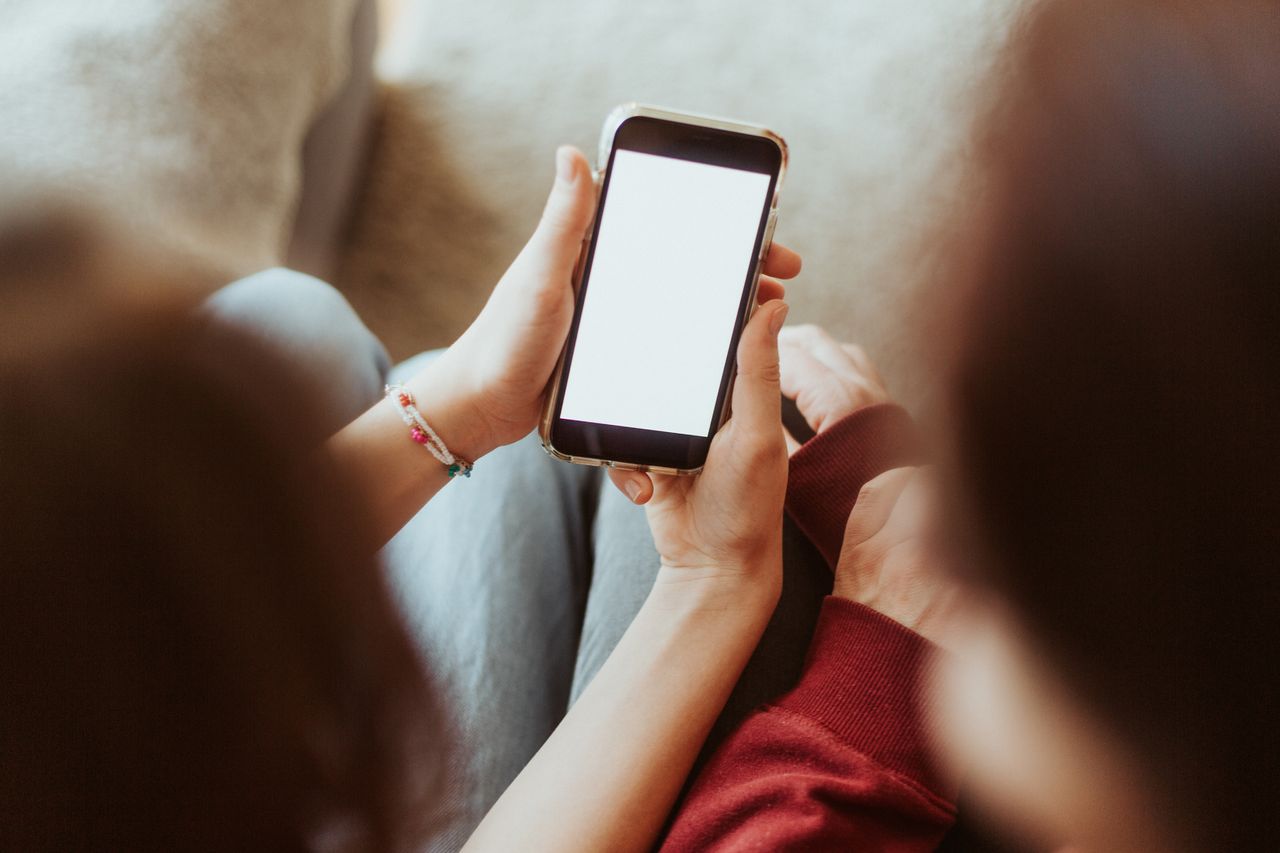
863, 681
829, 470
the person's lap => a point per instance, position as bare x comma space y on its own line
490, 576
516, 583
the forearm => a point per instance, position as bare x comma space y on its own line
608, 776
396, 475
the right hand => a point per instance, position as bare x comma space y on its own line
730, 515
885, 562
828, 380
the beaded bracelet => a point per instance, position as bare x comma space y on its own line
423, 434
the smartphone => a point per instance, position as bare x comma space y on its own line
667, 279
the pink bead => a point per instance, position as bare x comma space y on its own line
418, 435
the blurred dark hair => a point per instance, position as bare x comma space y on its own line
200, 651
1117, 386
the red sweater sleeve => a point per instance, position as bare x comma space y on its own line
827, 472
842, 761
839, 763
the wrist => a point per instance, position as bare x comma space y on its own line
452, 409
743, 589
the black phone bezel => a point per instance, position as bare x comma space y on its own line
700, 144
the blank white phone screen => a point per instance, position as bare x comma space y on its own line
675, 244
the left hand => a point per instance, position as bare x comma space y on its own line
829, 380
887, 561
487, 389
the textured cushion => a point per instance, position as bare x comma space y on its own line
180, 120
874, 97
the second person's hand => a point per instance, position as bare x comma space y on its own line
886, 561
829, 380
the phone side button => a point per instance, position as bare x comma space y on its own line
768, 233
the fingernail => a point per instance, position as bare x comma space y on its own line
633, 490
779, 317
564, 164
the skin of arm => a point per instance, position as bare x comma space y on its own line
608, 776
397, 476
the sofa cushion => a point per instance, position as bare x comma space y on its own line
181, 121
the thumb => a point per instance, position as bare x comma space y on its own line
567, 215
757, 398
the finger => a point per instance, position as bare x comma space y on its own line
798, 372
781, 262
875, 503
819, 343
810, 383
757, 400
635, 485
910, 515
859, 356
666, 485
769, 290
567, 214
792, 444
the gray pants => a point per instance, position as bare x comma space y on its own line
517, 582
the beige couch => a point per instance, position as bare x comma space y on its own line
245, 134
189, 126
875, 99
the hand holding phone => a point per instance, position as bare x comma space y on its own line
487, 389
730, 516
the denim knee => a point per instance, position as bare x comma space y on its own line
313, 325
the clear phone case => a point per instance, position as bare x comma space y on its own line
611, 124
